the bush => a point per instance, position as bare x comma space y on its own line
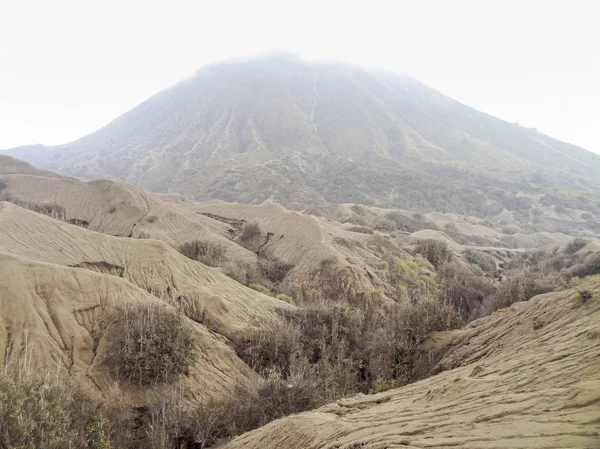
584, 295
465, 288
246, 410
285, 298
360, 229
274, 269
251, 236
435, 251
575, 245
587, 267
484, 261
270, 350
244, 272
150, 343
55, 411
209, 253
260, 288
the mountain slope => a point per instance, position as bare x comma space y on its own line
279, 129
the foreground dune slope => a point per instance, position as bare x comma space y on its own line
206, 295
526, 377
54, 317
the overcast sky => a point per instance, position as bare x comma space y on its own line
69, 67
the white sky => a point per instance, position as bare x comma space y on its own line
69, 67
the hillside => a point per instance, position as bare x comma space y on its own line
305, 135
60, 322
526, 377
285, 312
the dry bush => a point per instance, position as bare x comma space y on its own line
395, 343
484, 261
575, 245
410, 281
435, 251
150, 343
246, 410
205, 251
584, 295
520, 287
405, 223
251, 236
165, 421
334, 281
270, 350
285, 298
259, 288
55, 411
244, 272
589, 266
360, 229
465, 288
541, 271
274, 269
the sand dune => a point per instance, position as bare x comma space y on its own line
55, 317
206, 295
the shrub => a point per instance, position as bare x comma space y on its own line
260, 288
150, 343
56, 411
274, 269
285, 298
575, 245
435, 251
360, 229
520, 287
207, 252
413, 322
243, 272
334, 280
465, 288
248, 409
251, 236
484, 261
385, 383
270, 350
584, 295
587, 267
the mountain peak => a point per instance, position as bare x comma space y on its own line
275, 127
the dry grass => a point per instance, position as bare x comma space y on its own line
209, 253
55, 411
